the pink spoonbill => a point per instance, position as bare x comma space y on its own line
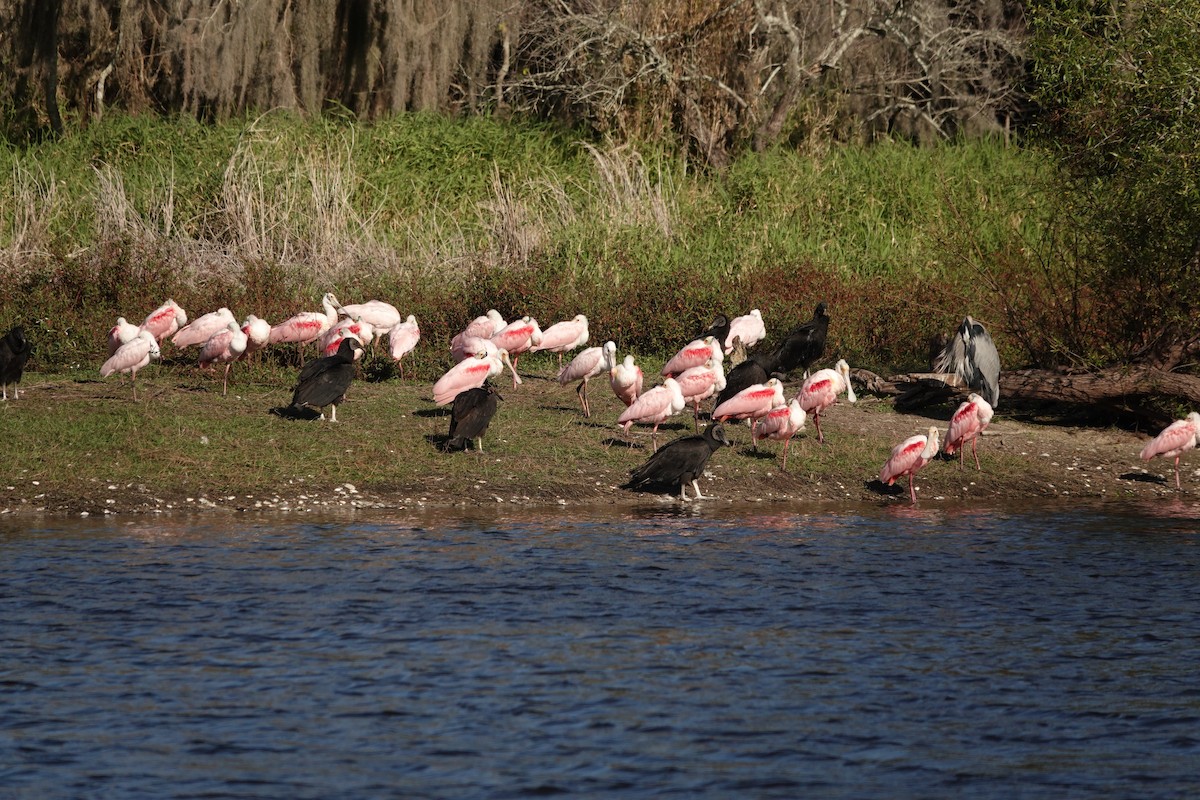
381, 316
199, 330
753, 402
471, 373
749, 327
780, 424
307, 326
132, 356
258, 333
967, 425
224, 347
402, 340
120, 334
699, 384
821, 389
517, 337
653, 407
165, 320
694, 354
587, 365
1175, 440
332, 339
908, 457
563, 337
626, 380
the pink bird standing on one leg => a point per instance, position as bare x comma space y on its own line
402, 339
563, 337
165, 320
694, 354
307, 326
908, 457
967, 425
749, 327
132, 356
653, 408
585, 366
471, 373
780, 424
199, 330
1176, 439
258, 333
626, 380
516, 338
224, 347
700, 383
821, 389
753, 402
121, 333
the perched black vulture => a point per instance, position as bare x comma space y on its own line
14, 352
805, 343
680, 462
323, 383
718, 329
757, 368
971, 355
470, 415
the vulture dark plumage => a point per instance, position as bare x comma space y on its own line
801, 348
680, 462
14, 352
470, 415
322, 383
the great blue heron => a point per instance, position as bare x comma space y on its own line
971, 355
680, 462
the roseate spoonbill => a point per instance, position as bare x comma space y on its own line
224, 347
165, 320
124, 331
680, 462
470, 416
805, 344
15, 350
201, 328
626, 381
331, 339
967, 425
780, 424
653, 407
908, 457
258, 334
752, 402
517, 337
324, 382
1176, 439
749, 327
971, 355
699, 384
381, 316
402, 340
821, 389
307, 326
591, 362
694, 354
131, 357
472, 372
483, 327
563, 337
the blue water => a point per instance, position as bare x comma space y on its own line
722, 653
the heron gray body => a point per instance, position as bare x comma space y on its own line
971, 355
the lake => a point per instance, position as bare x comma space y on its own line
711, 652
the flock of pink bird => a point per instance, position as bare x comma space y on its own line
223, 341
489, 344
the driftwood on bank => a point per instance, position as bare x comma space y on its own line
1123, 388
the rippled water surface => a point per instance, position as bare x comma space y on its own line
884, 653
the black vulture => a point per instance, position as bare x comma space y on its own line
757, 368
971, 355
680, 462
14, 352
470, 415
718, 329
805, 343
323, 383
